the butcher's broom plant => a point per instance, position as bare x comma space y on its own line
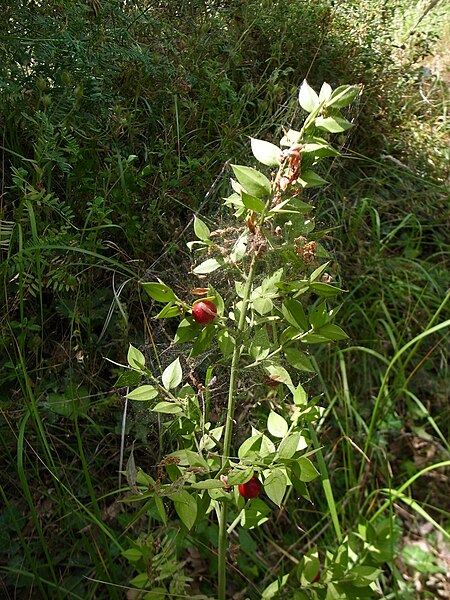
263, 292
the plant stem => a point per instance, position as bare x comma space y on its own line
229, 428
235, 364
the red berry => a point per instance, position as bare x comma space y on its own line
204, 311
250, 489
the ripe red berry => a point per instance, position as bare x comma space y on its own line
250, 489
204, 311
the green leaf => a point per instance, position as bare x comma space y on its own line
307, 97
262, 305
141, 581
159, 292
343, 96
132, 554
172, 375
203, 342
135, 358
260, 344
189, 458
294, 314
318, 272
128, 379
325, 289
272, 590
226, 343
318, 315
250, 447
269, 284
208, 484
167, 408
254, 182
319, 149
362, 575
267, 447
309, 179
325, 92
307, 469
161, 509
266, 153
288, 446
279, 373
333, 124
277, 425
143, 393
275, 485
187, 330
169, 311
207, 266
299, 360
252, 202
240, 475
290, 138
300, 396
239, 249
332, 332
186, 507
210, 439
201, 230
254, 513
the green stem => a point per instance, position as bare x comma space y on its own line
222, 557
229, 428
326, 484
235, 364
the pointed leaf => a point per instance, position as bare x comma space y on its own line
275, 485
143, 393
294, 314
277, 425
186, 332
279, 373
252, 203
333, 124
288, 447
207, 266
309, 179
266, 153
343, 96
172, 375
254, 182
307, 97
299, 360
325, 289
325, 92
167, 408
201, 229
308, 470
169, 311
159, 291
332, 332
135, 358
186, 507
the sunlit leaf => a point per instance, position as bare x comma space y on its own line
307, 97
277, 425
143, 393
254, 182
172, 375
159, 291
266, 153
201, 229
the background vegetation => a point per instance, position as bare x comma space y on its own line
117, 120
